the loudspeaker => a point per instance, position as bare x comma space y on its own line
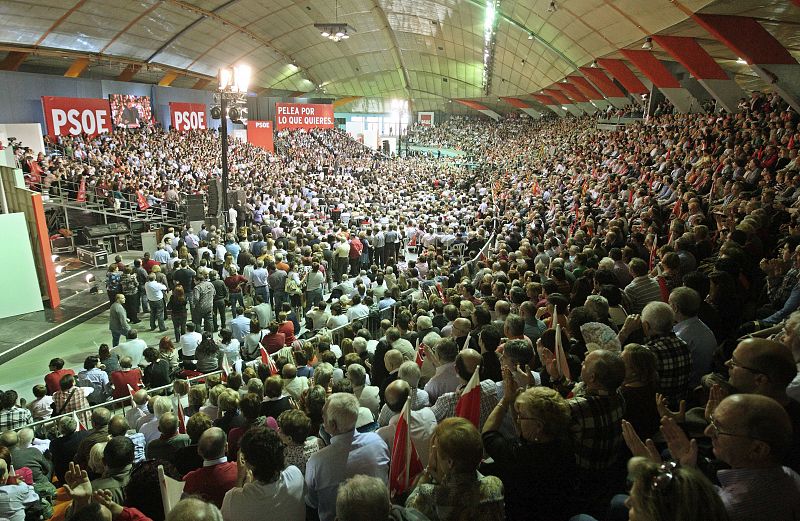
385, 146
236, 198
195, 209
214, 197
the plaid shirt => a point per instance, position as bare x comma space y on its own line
14, 418
76, 402
445, 406
778, 290
674, 366
597, 429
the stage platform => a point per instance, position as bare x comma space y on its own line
21, 333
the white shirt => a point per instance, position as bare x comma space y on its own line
348, 454
150, 430
444, 381
281, 499
189, 342
423, 423
132, 348
357, 311
155, 290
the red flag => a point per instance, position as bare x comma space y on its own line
82, 191
405, 465
81, 427
226, 368
420, 357
653, 252
268, 361
131, 390
181, 415
141, 201
676, 210
469, 403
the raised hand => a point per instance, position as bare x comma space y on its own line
645, 449
77, 484
549, 361
715, 395
663, 410
510, 387
680, 446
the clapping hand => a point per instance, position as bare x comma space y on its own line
680, 446
646, 449
106, 498
715, 396
663, 410
549, 361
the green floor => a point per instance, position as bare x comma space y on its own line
24, 371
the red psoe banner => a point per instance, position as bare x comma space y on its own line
259, 133
187, 116
303, 115
74, 116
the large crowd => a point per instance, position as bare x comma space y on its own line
634, 318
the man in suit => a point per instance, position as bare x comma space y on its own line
217, 475
166, 445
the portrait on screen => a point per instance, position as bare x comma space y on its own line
130, 111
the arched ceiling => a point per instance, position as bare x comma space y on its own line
430, 51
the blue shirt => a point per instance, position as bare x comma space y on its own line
234, 250
702, 344
348, 454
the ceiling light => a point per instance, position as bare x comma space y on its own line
648, 44
563, 107
594, 64
325, 34
530, 36
741, 61
553, 7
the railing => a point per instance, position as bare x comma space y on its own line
113, 201
110, 404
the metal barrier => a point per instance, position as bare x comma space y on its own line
111, 404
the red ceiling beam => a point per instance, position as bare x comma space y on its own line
13, 60
585, 87
544, 100
558, 96
573, 92
625, 76
516, 102
129, 72
691, 55
652, 68
603, 82
747, 38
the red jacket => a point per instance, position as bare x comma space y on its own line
51, 380
121, 380
273, 342
211, 483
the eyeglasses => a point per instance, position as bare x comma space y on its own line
733, 363
716, 432
666, 471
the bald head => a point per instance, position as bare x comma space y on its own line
466, 363
118, 425
212, 444
289, 371
168, 424
140, 397
396, 395
771, 367
9, 439
761, 419
393, 359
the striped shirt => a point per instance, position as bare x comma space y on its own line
640, 292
